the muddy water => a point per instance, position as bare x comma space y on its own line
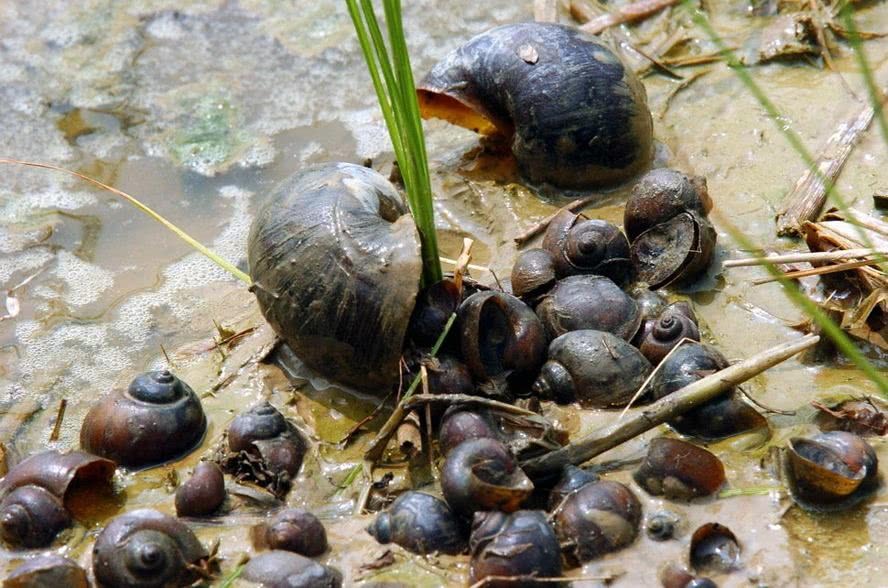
198, 108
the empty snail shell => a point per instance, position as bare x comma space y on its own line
148, 549
293, 529
659, 336
47, 571
31, 516
663, 525
334, 257
596, 519
512, 549
660, 195
263, 431
579, 245
680, 470
419, 523
461, 424
481, 474
859, 416
533, 274
588, 302
594, 368
156, 419
575, 115
714, 548
572, 479
203, 493
673, 576
285, 569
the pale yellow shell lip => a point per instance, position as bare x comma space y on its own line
446, 106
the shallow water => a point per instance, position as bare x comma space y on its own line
198, 108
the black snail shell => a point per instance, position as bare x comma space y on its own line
47, 571
285, 569
572, 479
518, 546
334, 257
203, 493
146, 549
660, 335
292, 529
678, 469
575, 115
533, 274
588, 302
156, 419
420, 523
579, 245
481, 474
596, 519
714, 547
434, 305
594, 368
660, 195
264, 432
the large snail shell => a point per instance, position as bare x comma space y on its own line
579, 245
576, 116
156, 419
678, 469
264, 431
419, 523
589, 302
31, 516
293, 529
47, 571
517, 546
146, 549
203, 493
334, 256
284, 569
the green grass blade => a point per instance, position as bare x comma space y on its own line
875, 94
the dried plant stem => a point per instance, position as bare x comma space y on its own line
630, 13
60, 416
806, 256
827, 269
665, 409
573, 206
429, 399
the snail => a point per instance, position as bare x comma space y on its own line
419, 523
579, 245
714, 548
831, 471
572, 479
146, 548
517, 546
575, 115
292, 529
859, 416
447, 375
588, 302
158, 418
434, 305
32, 510
673, 576
460, 424
596, 519
671, 239
594, 368
264, 432
659, 336
47, 571
679, 470
203, 493
481, 474
334, 258
663, 525
533, 274
285, 569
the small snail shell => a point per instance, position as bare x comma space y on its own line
461, 424
47, 571
265, 432
658, 337
596, 519
419, 523
663, 525
481, 474
714, 548
588, 302
660, 195
679, 470
575, 115
594, 368
156, 419
533, 274
31, 516
203, 493
284, 569
521, 545
579, 245
572, 479
334, 256
673, 576
148, 549
292, 529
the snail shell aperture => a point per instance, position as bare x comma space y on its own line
419, 523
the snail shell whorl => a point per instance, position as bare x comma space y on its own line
31, 516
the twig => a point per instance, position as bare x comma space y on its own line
60, 416
647, 381
573, 206
751, 491
826, 269
545, 10
630, 13
480, 268
665, 409
530, 580
804, 256
420, 399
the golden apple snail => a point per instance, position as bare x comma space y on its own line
574, 114
292, 529
47, 571
679, 470
420, 523
580, 245
518, 546
714, 547
203, 493
588, 302
286, 569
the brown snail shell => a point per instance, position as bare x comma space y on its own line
673, 576
285, 569
660, 195
859, 416
572, 479
434, 305
146, 549
156, 419
461, 424
481, 474
203, 493
56, 471
533, 274
420, 523
596, 519
503, 82
31, 516
594, 368
292, 529
714, 548
263, 431
47, 571
659, 336
679, 470
519, 546
579, 245
588, 302
334, 257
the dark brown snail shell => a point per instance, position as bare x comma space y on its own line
481, 474
461, 424
679, 470
596, 519
518, 546
47, 571
263, 431
448, 375
579, 245
575, 115
659, 336
588, 302
146, 549
673, 576
831, 471
31, 516
419, 523
285, 569
434, 305
156, 419
533, 274
661, 194
203, 493
334, 257
57, 472
572, 479
714, 548
292, 529
594, 368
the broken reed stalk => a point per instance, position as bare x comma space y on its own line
806, 256
663, 410
428, 399
630, 13
545, 10
817, 271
